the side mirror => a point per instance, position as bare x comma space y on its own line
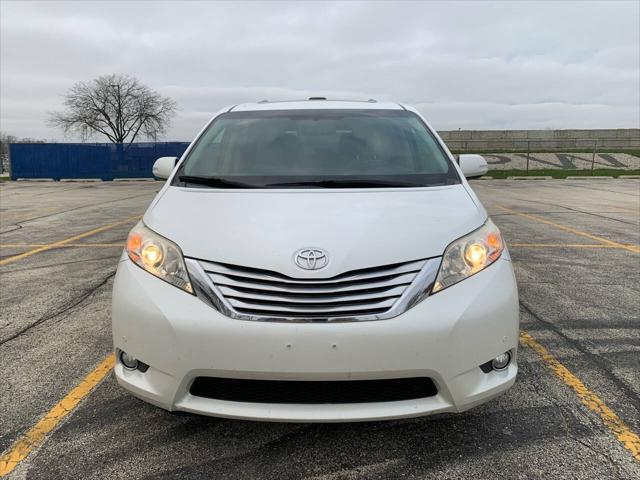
163, 167
473, 166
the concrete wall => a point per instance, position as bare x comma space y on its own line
564, 161
494, 141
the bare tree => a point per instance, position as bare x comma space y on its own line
5, 140
116, 106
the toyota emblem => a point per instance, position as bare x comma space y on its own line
311, 258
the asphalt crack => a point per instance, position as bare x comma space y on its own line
597, 360
594, 214
561, 409
20, 224
67, 307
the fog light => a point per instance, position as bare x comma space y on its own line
501, 361
129, 362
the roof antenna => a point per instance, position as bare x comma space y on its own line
372, 100
317, 98
263, 101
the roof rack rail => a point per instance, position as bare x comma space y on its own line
370, 100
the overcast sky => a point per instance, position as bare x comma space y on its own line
480, 65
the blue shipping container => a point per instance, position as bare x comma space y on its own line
88, 160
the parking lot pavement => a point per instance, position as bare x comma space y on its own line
573, 413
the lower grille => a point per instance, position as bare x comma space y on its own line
313, 392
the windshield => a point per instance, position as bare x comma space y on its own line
318, 149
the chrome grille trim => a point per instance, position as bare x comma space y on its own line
404, 279
257, 274
231, 293
368, 294
311, 309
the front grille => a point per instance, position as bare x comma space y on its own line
264, 293
314, 392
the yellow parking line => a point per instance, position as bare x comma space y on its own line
34, 437
631, 248
558, 245
60, 243
90, 245
518, 245
623, 433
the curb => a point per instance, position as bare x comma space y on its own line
532, 177
596, 177
535, 177
134, 180
80, 180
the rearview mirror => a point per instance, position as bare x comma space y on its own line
163, 167
473, 166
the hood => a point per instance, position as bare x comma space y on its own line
357, 228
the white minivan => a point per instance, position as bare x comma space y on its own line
316, 261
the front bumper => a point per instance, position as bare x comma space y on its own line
445, 337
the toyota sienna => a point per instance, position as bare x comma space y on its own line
316, 261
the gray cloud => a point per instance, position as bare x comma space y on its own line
463, 64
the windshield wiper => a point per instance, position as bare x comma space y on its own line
347, 183
216, 182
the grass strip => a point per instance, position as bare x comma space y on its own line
558, 173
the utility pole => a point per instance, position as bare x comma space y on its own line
119, 126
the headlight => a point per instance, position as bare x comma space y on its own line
469, 255
158, 256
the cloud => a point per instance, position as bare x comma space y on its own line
463, 64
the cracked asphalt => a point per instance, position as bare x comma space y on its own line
580, 299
